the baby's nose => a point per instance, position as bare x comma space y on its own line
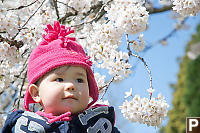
70, 87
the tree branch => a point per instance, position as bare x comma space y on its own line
128, 46
159, 10
141, 59
25, 66
98, 15
56, 8
20, 7
20, 93
17, 44
68, 14
173, 31
29, 19
107, 86
1, 92
170, 34
2, 31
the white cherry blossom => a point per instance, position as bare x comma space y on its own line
150, 90
105, 102
145, 111
129, 16
187, 7
129, 93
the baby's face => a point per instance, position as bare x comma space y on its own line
64, 89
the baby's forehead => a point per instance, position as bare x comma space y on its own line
60, 70
74, 69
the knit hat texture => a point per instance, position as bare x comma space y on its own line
56, 50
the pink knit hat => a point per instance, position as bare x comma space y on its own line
54, 51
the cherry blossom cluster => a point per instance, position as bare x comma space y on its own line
130, 16
140, 45
9, 23
105, 102
187, 7
165, 2
144, 110
101, 44
8, 52
9, 74
100, 79
80, 5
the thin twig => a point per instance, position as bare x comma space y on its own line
20, 93
20, 7
68, 14
128, 45
96, 16
1, 92
173, 31
17, 44
107, 86
170, 34
2, 31
29, 18
159, 10
67, 5
146, 66
25, 66
142, 59
56, 8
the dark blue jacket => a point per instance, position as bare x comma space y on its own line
94, 120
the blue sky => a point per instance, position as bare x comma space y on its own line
162, 61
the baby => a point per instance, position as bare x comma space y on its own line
62, 82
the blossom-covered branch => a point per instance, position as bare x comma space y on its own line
107, 86
22, 6
29, 18
56, 8
17, 44
159, 10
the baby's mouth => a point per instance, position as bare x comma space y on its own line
70, 97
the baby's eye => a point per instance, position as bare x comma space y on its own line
79, 80
59, 80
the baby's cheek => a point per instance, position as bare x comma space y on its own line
50, 106
49, 101
85, 100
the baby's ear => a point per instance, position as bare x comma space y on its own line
33, 90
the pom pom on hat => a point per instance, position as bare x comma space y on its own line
56, 50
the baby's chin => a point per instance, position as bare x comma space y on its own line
57, 113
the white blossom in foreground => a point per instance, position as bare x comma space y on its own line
9, 23
150, 90
129, 16
140, 45
129, 93
102, 42
80, 5
187, 7
165, 2
13, 59
105, 102
145, 111
99, 79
